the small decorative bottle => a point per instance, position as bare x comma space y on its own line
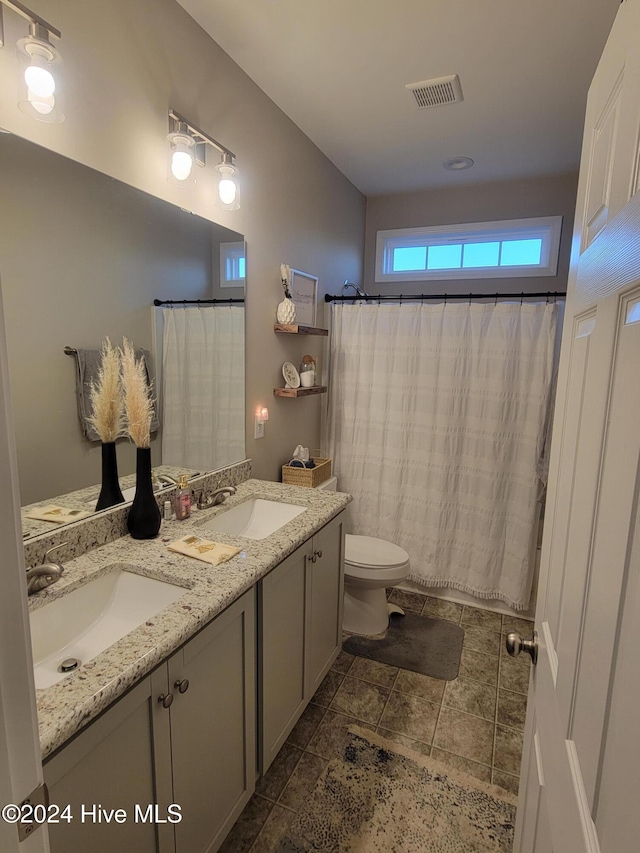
183, 499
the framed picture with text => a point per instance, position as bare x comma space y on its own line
304, 292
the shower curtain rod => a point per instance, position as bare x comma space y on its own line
556, 294
197, 301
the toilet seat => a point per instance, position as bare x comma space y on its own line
368, 552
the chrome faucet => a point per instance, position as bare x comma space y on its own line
215, 498
220, 495
167, 479
46, 574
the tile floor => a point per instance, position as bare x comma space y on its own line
474, 723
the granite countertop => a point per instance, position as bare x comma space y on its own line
85, 500
69, 705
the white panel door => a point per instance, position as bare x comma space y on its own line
581, 761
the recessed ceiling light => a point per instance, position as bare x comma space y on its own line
456, 164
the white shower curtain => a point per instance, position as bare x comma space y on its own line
436, 420
203, 386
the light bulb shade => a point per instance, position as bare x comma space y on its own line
182, 160
40, 91
228, 197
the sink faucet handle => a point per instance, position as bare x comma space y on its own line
51, 550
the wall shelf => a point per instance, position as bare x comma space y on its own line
284, 329
300, 392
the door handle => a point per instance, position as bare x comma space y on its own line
182, 686
515, 645
165, 699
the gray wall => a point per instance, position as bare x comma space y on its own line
551, 196
125, 64
82, 257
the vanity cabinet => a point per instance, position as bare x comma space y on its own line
300, 632
185, 735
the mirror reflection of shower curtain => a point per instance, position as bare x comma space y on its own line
203, 386
436, 421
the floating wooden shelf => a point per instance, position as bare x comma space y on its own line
285, 329
300, 392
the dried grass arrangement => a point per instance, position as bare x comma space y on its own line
138, 396
107, 410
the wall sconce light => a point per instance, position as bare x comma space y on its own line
39, 93
187, 147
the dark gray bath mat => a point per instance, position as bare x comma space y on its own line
419, 643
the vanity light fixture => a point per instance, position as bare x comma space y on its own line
182, 156
38, 84
187, 147
228, 189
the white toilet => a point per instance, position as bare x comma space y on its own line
371, 565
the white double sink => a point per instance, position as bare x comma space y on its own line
76, 627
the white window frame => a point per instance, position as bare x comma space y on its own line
546, 228
230, 254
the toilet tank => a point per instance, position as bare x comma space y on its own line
330, 485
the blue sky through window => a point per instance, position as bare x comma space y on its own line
481, 255
412, 258
520, 252
445, 257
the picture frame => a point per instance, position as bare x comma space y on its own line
304, 293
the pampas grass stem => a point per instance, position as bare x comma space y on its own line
138, 399
107, 414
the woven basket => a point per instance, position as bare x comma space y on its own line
309, 477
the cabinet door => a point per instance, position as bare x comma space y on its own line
213, 727
122, 760
324, 601
282, 697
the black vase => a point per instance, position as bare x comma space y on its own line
110, 493
144, 516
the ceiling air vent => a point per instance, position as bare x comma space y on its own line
436, 92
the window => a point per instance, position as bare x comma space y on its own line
516, 247
232, 264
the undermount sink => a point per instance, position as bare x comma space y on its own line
254, 519
93, 617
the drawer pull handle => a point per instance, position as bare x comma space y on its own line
182, 686
165, 699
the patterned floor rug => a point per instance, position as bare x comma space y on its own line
381, 798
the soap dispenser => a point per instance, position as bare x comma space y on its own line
183, 499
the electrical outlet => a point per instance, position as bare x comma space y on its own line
258, 429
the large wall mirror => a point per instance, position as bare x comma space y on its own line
83, 257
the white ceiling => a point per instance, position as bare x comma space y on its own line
338, 69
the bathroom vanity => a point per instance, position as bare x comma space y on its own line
189, 708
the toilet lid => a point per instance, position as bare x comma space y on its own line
375, 553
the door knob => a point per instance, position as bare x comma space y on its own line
515, 645
182, 686
165, 699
